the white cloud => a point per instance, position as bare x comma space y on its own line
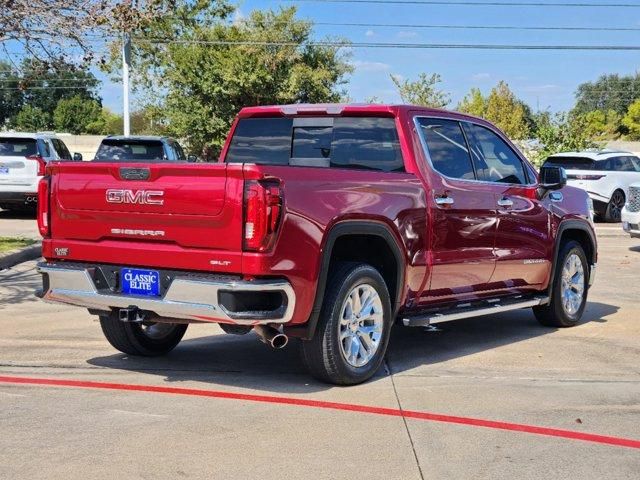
370, 33
407, 34
481, 76
364, 66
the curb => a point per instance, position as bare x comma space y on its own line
18, 256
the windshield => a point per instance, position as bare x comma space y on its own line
130, 150
18, 147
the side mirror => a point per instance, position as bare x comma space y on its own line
192, 158
77, 157
552, 178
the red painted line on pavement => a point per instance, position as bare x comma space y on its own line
393, 412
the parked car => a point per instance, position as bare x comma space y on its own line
118, 148
23, 157
631, 211
324, 222
605, 175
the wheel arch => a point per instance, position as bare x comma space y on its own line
335, 248
579, 231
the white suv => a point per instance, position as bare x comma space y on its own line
605, 175
23, 157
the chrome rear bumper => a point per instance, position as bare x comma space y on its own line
195, 299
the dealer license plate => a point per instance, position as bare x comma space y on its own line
140, 282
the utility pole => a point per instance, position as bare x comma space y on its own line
126, 62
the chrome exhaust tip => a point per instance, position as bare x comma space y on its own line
271, 336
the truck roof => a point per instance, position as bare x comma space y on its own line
344, 108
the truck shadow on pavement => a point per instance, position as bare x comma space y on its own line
244, 362
18, 214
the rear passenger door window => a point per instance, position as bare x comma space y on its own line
447, 148
368, 143
494, 159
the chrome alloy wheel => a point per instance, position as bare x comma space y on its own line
156, 331
572, 289
361, 325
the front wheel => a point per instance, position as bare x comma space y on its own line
148, 339
569, 289
613, 213
354, 327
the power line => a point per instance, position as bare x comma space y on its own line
478, 4
446, 46
476, 27
43, 88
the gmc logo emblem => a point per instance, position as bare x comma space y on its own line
141, 197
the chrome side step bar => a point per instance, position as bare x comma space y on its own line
469, 311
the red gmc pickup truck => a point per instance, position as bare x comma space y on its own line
329, 223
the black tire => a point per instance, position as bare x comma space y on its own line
136, 339
323, 354
613, 212
555, 314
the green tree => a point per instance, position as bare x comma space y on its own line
113, 123
609, 92
507, 112
11, 98
561, 132
269, 58
424, 91
149, 120
79, 115
473, 103
31, 119
632, 120
46, 83
602, 125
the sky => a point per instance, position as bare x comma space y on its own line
546, 80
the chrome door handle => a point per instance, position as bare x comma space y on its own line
505, 202
444, 201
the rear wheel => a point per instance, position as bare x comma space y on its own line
147, 339
354, 326
569, 290
614, 207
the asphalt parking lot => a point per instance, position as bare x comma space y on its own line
251, 412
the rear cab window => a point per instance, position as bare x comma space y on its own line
18, 147
121, 150
366, 143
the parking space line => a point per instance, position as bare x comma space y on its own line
302, 402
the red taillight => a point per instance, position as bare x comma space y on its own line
43, 207
42, 165
262, 208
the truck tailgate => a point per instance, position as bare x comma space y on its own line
159, 208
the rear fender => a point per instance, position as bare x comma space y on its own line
350, 227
